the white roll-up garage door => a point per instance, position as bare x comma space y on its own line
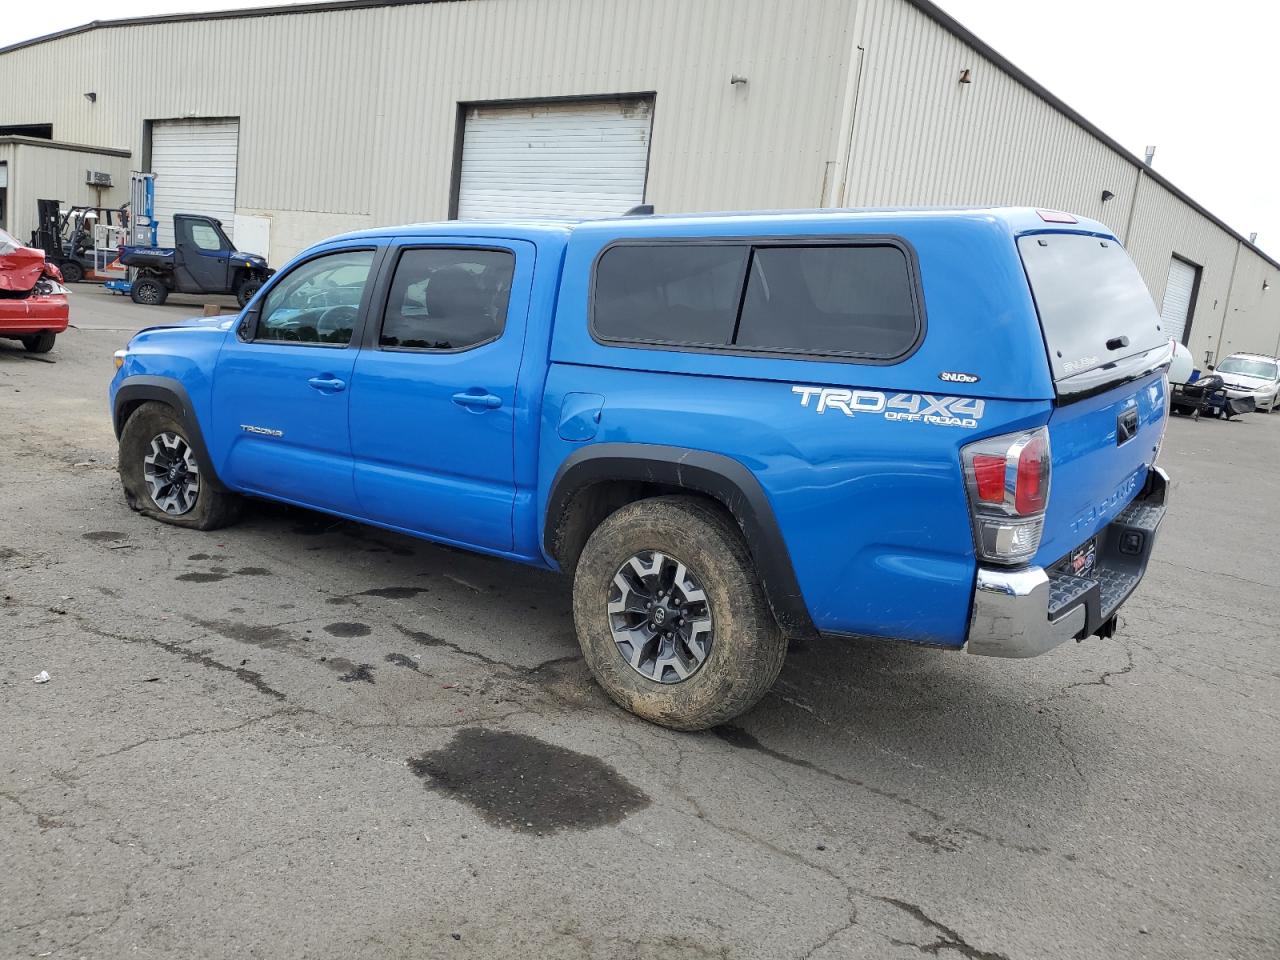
572, 159
1178, 290
195, 166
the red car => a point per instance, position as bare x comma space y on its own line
33, 301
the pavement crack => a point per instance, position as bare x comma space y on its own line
739, 738
199, 732
1104, 678
852, 921
251, 677
948, 938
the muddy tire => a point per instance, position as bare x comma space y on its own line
148, 291
41, 342
671, 617
163, 477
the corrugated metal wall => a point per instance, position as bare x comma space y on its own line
353, 113
48, 173
348, 118
920, 136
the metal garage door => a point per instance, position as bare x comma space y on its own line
574, 159
195, 166
1178, 291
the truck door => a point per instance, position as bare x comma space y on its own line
433, 391
204, 254
280, 393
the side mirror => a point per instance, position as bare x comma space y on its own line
248, 323
1210, 366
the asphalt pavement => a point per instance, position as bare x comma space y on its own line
303, 737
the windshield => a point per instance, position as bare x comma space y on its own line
7, 242
1265, 369
1094, 308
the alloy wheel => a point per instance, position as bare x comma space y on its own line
660, 617
172, 474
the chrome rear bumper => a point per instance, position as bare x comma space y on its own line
1027, 611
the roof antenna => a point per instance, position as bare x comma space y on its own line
643, 210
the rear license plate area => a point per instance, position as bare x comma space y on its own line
1080, 561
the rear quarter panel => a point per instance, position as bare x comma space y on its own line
872, 510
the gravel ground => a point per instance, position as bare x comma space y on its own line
301, 737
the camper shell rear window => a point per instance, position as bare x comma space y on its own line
1094, 307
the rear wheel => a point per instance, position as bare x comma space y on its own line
162, 474
72, 272
41, 342
671, 616
246, 291
148, 291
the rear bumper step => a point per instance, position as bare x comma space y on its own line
1030, 610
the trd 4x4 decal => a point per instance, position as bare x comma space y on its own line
913, 407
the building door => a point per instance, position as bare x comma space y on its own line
554, 159
195, 166
1180, 298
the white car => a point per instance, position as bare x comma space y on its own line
1252, 375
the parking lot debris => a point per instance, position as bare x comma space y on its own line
42, 677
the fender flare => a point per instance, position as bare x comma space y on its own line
724, 479
171, 392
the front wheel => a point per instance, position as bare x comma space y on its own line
148, 291
72, 272
246, 292
41, 342
671, 617
162, 474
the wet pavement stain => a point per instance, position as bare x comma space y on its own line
400, 660
103, 535
201, 577
339, 601
199, 556
393, 593
254, 572
258, 636
527, 785
347, 629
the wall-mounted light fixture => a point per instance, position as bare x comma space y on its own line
737, 79
91, 97
1107, 195
1266, 285
966, 75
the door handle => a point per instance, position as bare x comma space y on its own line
328, 384
476, 399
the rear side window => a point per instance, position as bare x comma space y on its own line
829, 300
841, 300
447, 299
669, 293
1094, 308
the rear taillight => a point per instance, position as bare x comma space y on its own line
1007, 478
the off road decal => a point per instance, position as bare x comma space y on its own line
964, 412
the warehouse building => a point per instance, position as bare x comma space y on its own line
294, 123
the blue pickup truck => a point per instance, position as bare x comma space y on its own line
932, 426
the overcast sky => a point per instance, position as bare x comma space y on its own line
1197, 83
